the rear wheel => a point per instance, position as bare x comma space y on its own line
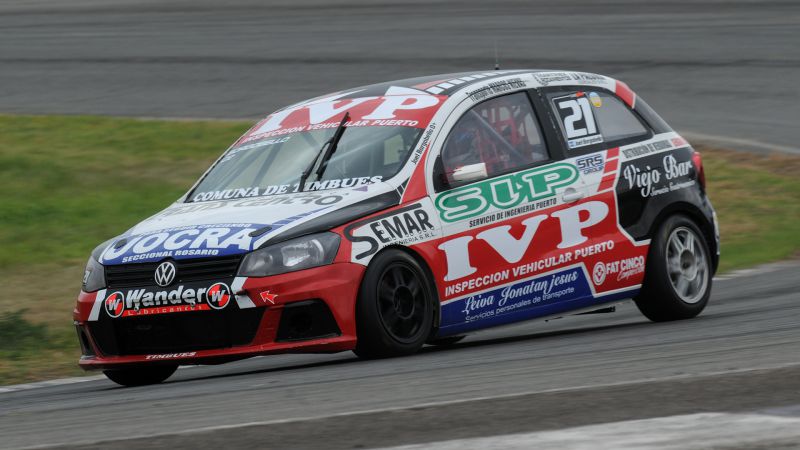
677, 283
394, 314
140, 376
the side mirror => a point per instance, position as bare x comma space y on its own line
471, 172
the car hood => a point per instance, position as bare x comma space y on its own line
231, 227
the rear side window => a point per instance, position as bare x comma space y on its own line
595, 118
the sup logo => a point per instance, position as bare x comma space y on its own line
505, 192
218, 295
115, 304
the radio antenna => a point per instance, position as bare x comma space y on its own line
496, 58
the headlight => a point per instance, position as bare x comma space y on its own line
295, 254
94, 277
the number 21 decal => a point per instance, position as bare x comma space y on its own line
577, 118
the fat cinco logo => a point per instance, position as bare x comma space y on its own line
142, 302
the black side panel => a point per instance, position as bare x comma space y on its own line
649, 184
654, 186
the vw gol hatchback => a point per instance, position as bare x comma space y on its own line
385, 217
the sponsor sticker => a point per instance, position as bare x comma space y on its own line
115, 304
569, 223
590, 164
247, 192
399, 106
402, 226
595, 99
646, 149
268, 297
505, 193
622, 268
651, 177
547, 78
218, 296
495, 87
182, 242
171, 355
513, 299
147, 301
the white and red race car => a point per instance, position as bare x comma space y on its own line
381, 218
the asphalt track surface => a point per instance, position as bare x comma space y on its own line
713, 68
742, 354
719, 67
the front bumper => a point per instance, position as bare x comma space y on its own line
311, 310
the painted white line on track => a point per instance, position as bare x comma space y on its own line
684, 432
427, 405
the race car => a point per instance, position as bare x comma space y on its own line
381, 218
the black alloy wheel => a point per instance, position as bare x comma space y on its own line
395, 306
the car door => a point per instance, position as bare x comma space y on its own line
502, 194
594, 123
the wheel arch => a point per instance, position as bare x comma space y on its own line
423, 263
696, 215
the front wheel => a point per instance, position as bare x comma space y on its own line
677, 283
140, 376
394, 313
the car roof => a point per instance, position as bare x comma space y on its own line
442, 84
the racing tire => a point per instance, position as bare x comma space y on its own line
394, 311
677, 282
446, 341
140, 376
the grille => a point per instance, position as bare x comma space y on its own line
188, 270
178, 332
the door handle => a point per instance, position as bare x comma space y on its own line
572, 195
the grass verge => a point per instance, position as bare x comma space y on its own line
73, 182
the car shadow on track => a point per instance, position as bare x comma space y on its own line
427, 350
577, 330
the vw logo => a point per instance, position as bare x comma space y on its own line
165, 273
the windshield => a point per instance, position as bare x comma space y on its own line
273, 165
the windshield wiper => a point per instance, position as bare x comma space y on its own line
328, 147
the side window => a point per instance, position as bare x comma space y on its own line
501, 133
595, 117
